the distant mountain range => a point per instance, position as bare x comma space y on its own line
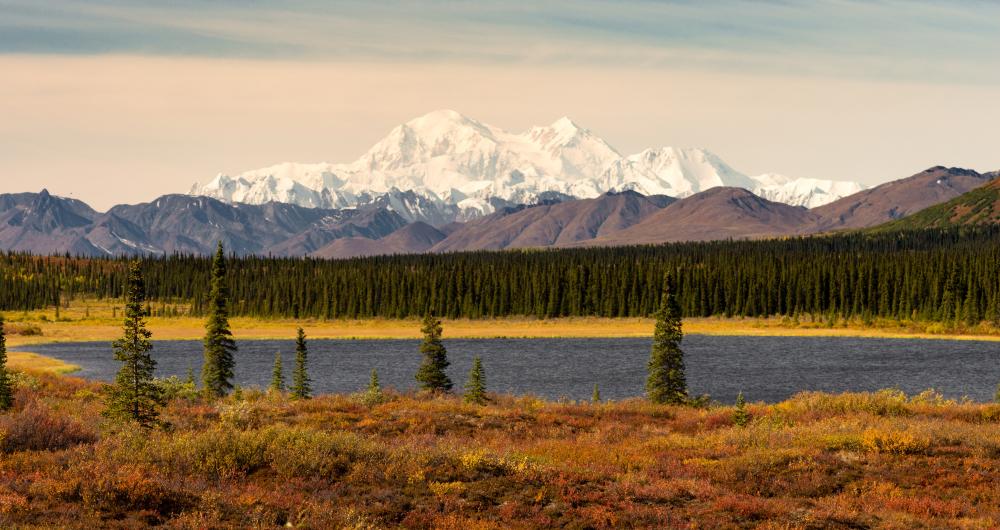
45, 224
444, 167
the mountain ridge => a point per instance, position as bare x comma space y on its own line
47, 224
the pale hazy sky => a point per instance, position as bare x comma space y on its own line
120, 101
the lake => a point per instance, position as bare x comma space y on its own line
763, 368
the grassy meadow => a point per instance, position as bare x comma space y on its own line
261, 460
95, 320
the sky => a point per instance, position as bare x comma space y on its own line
113, 101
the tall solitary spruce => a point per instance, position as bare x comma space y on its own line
6, 385
475, 388
135, 395
666, 382
300, 377
277, 375
431, 374
217, 375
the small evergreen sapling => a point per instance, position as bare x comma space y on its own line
741, 416
6, 385
135, 396
373, 396
596, 396
475, 388
301, 388
277, 376
431, 374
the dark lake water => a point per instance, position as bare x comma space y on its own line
763, 368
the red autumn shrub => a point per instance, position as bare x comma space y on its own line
35, 428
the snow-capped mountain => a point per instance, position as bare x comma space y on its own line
803, 191
444, 166
673, 171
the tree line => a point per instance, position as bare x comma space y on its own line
948, 275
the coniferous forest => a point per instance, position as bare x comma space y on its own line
948, 275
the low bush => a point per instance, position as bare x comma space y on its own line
23, 329
894, 442
890, 402
227, 451
36, 428
174, 387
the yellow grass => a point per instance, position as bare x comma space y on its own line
182, 328
92, 320
20, 361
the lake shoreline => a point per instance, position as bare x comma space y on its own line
188, 328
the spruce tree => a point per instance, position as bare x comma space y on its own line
300, 377
431, 374
135, 396
6, 385
666, 382
374, 394
596, 396
217, 375
475, 387
740, 415
277, 376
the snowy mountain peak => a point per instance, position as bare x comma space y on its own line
567, 126
460, 165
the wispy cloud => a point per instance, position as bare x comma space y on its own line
955, 41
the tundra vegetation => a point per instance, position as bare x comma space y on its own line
430, 460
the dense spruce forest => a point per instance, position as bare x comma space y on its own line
950, 275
